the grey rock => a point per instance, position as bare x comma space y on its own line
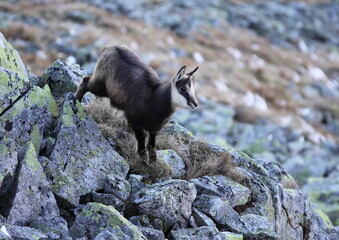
62, 77
217, 209
8, 231
13, 74
106, 235
33, 196
29, 117
224, 188
8, 164
170, 201
175, 129
141, 221
255, 227
174, 161
118, 186
95, 216
201, 233
136, 183
81, 159
108, 199
56, 226
201, 219
152, 234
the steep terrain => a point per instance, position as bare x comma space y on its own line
61, 178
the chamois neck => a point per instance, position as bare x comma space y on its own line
162, 102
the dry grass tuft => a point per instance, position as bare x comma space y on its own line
204, 161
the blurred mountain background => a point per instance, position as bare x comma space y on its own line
268, 82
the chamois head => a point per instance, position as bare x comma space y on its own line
183, 95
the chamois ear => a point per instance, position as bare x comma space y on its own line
180, 74
191, 73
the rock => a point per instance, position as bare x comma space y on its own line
170, 201
118, 186
201, 219
62, 77
224, 188
29, 117
174, 161
108, 199
232, 236
175, 129
136, 183
8, 231
33, 196
255, 227
152, 234
8, 164
56, 226
106, 235
95, 217
217, 209
201, 233
14, 80
81, 158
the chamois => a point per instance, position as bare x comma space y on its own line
135, 88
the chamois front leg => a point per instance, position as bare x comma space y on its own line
152, 151
140, 136
83, 88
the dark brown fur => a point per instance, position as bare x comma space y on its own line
135, 88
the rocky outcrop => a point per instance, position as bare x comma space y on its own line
61, 179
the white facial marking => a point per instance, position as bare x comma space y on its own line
178, 100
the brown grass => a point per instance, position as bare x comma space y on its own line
200, 159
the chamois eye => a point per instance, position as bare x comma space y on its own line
183, 89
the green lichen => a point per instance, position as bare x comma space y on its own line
67, 115
324, 217
81, 113
1, 178
165, 152
31, 158
232, 236
36, 138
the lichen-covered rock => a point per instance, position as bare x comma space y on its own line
106, 235
13, 75
175, 129
95, 217
201, 219
28, 118
201, 233
55, 226
224, 188
9, 231
217, 209
108, 199
8, 164
255, 227
170, 201
136, 183
232, 236
62, 77
118, 186
174, 161
152, 234
81, 158
33, 196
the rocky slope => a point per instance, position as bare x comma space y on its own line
61, 179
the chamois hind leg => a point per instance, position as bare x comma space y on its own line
83, 88
152, 151
140, 136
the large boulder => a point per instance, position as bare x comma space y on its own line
170, 201
14, 79
81, 159
8, 231
62, 77
95, 217
224, 188
32, 195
